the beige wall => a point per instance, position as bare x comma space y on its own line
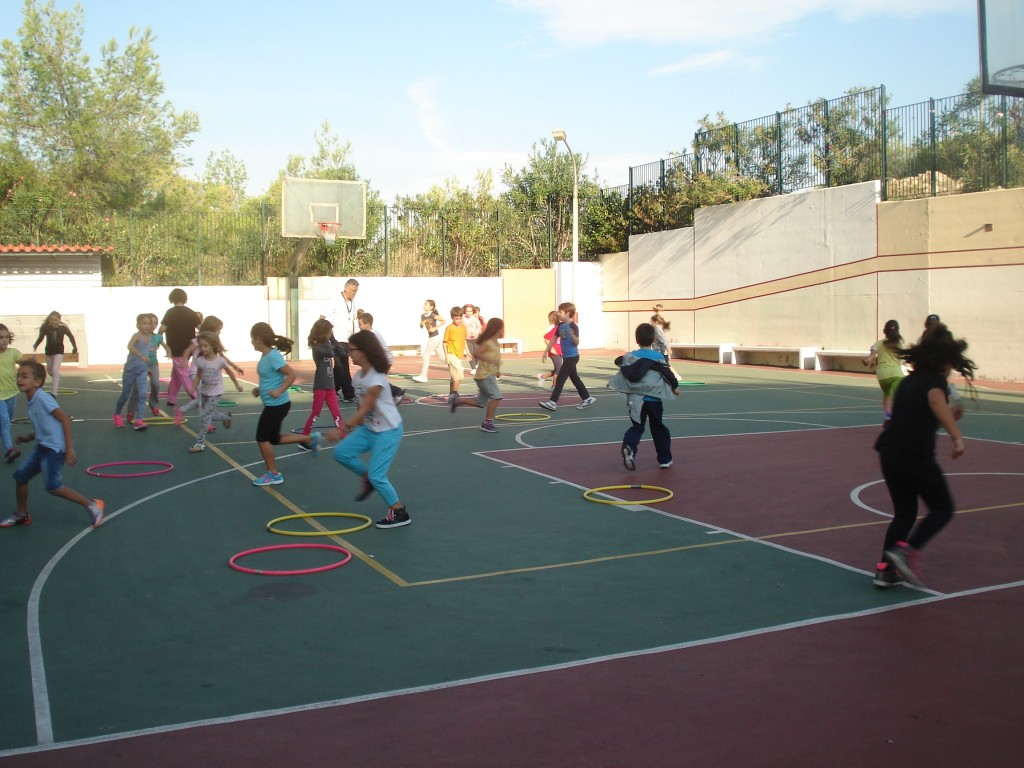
828, 268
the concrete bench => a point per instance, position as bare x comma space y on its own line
780, 357
513, 345
403, 350
841, 360
712, 353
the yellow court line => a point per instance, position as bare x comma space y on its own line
687, 547
356, 552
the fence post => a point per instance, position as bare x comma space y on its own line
932, 142
885, 144
778, 152
1004, 170
444, 243
827, 134
387, 229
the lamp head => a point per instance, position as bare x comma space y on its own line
558, 135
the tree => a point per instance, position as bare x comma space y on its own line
224, 181
102, 133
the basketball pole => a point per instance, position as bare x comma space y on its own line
298, 254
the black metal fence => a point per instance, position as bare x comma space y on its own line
964, 143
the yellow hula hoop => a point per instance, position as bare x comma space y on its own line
270, 526
668, 494
161, 420
66, 392
522, 418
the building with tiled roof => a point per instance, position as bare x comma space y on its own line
37, 266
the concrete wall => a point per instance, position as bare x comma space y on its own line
827, 268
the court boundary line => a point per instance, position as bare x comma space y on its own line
450, 684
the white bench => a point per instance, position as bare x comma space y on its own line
712, 353
841, 360
515, 344
780, 357
403, 350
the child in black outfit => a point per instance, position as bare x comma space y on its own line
906, 449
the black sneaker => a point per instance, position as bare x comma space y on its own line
886, 576
395, 518
453, 402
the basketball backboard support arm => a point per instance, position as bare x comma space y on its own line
302, 247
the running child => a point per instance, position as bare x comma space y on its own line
884, 357
275, 376
319, 340
646, 381
209, 324
661, 325
209, 383
488, 370
376, 428
9, 357
474, 327
178, 328
430, 321
554, 352
52, 433
454, 350
136, 369
365, 320
568, 335
153, 376
55, 330
907, 452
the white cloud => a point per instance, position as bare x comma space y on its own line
423, 93
697, 22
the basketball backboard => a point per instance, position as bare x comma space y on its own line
306, 203
1001, 33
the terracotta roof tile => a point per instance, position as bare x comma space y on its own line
55, 249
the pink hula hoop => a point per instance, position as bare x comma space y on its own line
259, 572
166, 466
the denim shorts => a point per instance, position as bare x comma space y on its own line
45, 460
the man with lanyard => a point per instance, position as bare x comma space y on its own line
343, 318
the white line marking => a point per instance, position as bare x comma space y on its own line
515, 673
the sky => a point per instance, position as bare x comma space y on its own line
427, 92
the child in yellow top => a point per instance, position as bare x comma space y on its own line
455, 350
884, 357
9, 357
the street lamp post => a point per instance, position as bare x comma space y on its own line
559, 136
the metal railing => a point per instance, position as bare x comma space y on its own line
964, 143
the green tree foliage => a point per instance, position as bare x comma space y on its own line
103, 133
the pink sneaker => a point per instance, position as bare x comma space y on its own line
118, 421
179, 417
210, 428
907, 560
155, 410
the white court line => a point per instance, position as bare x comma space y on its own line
514, 673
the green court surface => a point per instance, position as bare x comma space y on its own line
506, 568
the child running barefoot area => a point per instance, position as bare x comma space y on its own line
52, 433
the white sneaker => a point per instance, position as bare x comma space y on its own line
586, 403
420, 379
665, 465
548, 405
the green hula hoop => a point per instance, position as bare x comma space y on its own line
522, 418
668, 494
226, 404
270, 526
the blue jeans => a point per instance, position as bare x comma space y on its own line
6, 414
382, 447
652, 412
45, 460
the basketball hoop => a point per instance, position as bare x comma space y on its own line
329, 231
